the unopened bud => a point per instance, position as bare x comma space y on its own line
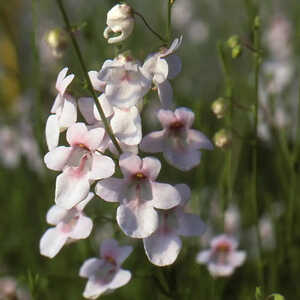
257, 22
219, 107
57, 40
120, 20
222, 138
236, 51
233, 41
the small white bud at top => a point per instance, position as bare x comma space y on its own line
119, 20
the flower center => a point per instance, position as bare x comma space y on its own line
140, 175
110, 259
223, 247
176, 125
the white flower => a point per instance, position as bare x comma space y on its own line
69, 224
105, 274
119, 20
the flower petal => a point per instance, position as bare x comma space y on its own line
203, 257
185, 193
97, 84
197, 140
110, 189
151, 167
52, 132
82, 229
55, 214
237, 258
57, 158
68, 114
102, 167
90, 267
153, 142
186, 115
220, 270
81, 205
94, 288
165, 196
137, 221
166, 117
130, 164
175, 65
51, 242
162, 248
165, 94
121, 278
190, 225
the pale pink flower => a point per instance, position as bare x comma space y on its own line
179, 143
160, 67
81, 164
164, 245
97, 84
69, 224
120, 19
105, 274
63, 111
138, 194
223, 257
126, 85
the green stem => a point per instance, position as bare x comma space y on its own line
149, 27
169, 28
85, 73
257, 63
229, 118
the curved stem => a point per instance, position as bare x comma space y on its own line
86, 75
169, 29
149, 27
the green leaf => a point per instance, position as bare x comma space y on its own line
276, 297
258, 293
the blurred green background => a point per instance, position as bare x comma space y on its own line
28, 71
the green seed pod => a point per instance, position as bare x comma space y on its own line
57, 40
223, 139
233, 41
236, 51
219, 107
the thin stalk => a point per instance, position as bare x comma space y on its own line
229, 118
257, 63
169, 28
85, 73
149, 27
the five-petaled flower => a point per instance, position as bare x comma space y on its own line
223, 257
179, 143
105, 274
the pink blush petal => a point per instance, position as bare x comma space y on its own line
162, 248
94, 289
60, 77
121, 278
76, 134
93, 138
102, 167
153, 142
82, 229
56, 214
151, 167
237, 258
185, 193
52, 132
203, 257
219, 270
137, 222
197, 140
110, 189
186, 115
165, 196
165, 94
175, 65
97, 84
130, 164
51, 242
57, 158
190, 225
89, 267
166, 117
68, 114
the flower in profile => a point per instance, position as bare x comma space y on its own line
163, 246
138, 194
160, 67
223, 257
125, 83
81, 164
63, 111
120, 20
69, 224
105, 274
179, 143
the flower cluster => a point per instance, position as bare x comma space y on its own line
148, 209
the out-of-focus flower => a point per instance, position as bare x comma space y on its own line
120, 20
9, 290
231, 220
69, 224
105, 274
125, 83
138, 194
266, 232
278, 37
179, 143
81, 164
219, 107
63, 111
198, 31
163, 246
162, 66
223, 257
182, 13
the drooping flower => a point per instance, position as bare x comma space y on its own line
63, 111
125, 82
164, 245
138, 194
160, 67
179, 143
81, 164
69, 224
120, 19
223, 257
105, 274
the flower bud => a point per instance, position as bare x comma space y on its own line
119, 20
57, 40
233, 41
219, 107
222, 138
236, 51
